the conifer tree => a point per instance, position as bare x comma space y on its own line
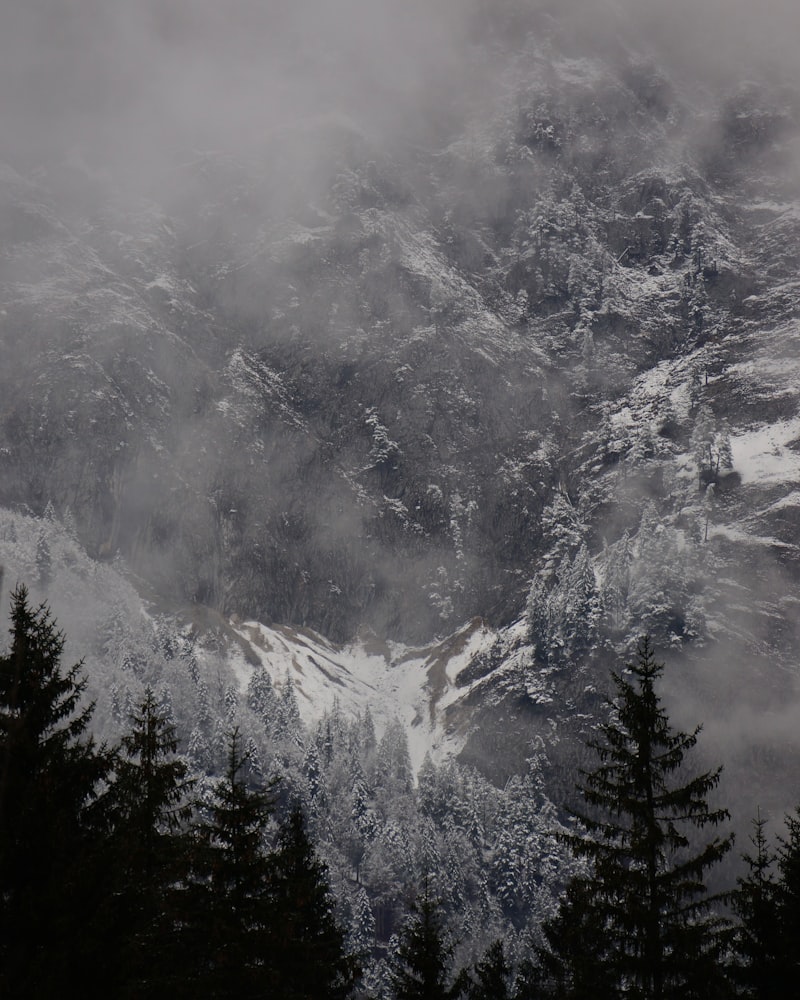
261, 697
309, 958
576, 964
651, 925
151, 856
44, 561
491, 976
758, 935
361, 938
50, 774
229, 920
421, 969
788, 898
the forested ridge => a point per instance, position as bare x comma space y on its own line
124, 871
373, 375
433, 407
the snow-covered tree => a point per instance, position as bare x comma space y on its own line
711, 447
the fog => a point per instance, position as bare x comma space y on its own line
128, 89
131, 83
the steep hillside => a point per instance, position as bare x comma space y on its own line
527, 358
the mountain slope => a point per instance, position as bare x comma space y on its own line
481, 366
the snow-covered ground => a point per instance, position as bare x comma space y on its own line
764, 455
413, 685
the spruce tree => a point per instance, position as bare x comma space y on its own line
788, 898
577, 962
51, 877
758, 936
651, 930
229, 916
420, 969
309, 958
491, 976
151, 850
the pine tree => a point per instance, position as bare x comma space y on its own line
575, 964
394, 762
367, 733
725, 449
316, 779
151, 857
261, 697
420, 969
651, 922
50, 773
758, 935
541, 627
309, 956
491, 977
582, 609
287, 723
617, 582
229, 923
788, 897
44, 561
711, 447
198, 751
361, 938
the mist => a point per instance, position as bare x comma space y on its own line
132, 84
272, 372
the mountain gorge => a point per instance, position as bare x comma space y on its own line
434, 404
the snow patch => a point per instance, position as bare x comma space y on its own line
790, 500
735, 534
763, 455
414, 685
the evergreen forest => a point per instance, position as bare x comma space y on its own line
400, 492
125, 872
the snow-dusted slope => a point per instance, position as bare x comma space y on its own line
126, 641
465, 378
417, 686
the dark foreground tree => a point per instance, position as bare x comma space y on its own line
490, 978
788, 899
421, 968
644, 925
52, 879
758, 937
151, 852
309, 959
227, 934
577, 964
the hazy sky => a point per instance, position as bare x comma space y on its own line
134, 78
117, 74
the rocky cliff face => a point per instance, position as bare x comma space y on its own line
532, 361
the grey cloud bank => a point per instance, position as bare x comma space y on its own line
129, 81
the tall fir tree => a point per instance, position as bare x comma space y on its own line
51, 878
421, 967
653, 931
759, 967
229, 919
490, 980
308, 946
151, 856
788, 898
576, 963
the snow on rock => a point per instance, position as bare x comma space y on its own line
414, 685
766, 454
790, 500
735, 534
